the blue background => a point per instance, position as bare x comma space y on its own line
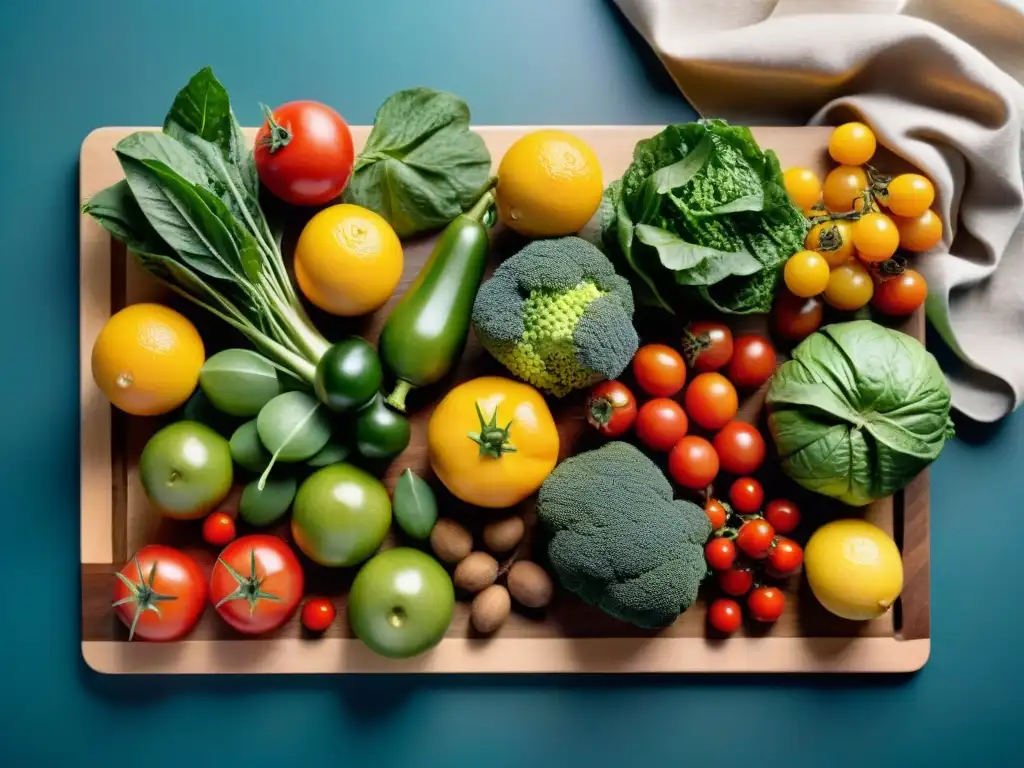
70, 67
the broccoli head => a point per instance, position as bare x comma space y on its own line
618, 541
557, 316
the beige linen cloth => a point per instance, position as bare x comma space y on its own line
941, 82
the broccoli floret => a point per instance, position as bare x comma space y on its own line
557, 316
618, 541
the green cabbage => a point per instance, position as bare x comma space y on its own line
858, 411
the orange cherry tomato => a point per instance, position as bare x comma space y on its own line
659, 370
844, 187
693, 463
218, 529
317, 614
711, 400
920, 233
875, 237
902, 294
909, 194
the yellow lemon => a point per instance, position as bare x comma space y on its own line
854, 569
348, 260
146, 359
549, 184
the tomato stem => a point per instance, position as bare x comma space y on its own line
397, 397
142, 594
248, 588
492, 439
279, 136
601, 411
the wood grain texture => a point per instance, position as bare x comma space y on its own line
566, 637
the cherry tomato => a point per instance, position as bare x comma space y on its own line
755, 538
740, 448
711, 400
902, 294
786, 556
766, 603
802, 186
256, 584
317, 614
720, 553
304, 153
753, 361
920, 233
795, 318
218, 529
659, 370
875, 237
611, 408
806, 273
735, 581
746, 495
783, 515
716, 513
852, 144
909, 194
833, 240
844, 188
725, 615
693, 463
661, 423
707, 345
850, 287
160, 593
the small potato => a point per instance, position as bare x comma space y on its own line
530, 584
475, 572
490, 608
502, 535
450, 541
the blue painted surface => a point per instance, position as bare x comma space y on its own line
68, 68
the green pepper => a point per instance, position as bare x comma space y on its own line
380, 433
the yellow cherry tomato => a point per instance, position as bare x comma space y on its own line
806, 273
852, 144
849, 287
833, 240
844, 187
802, 186
920, 233
875, 237
492, 441
909, 194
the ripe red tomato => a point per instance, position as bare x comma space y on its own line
755, 538
901, 295
693, 463
218, 529
304, 153
783, 515
659, 370
766, 603
740, 448
611, 408
317, 614
160, 593
257, 583
661, 423
725, 615
786, 556
716, 513
746, 495
753, 361
736, 581
796, 318
711, 400
707, 345
720, 553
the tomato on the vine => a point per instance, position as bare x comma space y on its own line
852, 144
902, 294
850, 287
611, 408
257, 583
661, 423
752, 363
795, 318
707, 345
218, 528
766, 604
735, 581
693, 463
755, 538
711, 400
833, 239
785, 556
740, 448
919, 233
802, 186
317, 614
725, 615
746, 495
844, 188
716, 513
875, 237
720, 553
909, 194
160, 593
783, 515
659, 370
806, 273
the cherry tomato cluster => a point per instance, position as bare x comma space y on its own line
861, 220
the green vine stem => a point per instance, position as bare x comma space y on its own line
279, 136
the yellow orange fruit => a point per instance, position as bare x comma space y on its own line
837, 236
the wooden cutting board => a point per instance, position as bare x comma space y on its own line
566, 637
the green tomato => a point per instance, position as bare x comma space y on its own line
186, 470
381, 433
341, 515
401, 603
348, 374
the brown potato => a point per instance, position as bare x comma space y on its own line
530, 584
450, 541
490, 608
475, 572
502, 535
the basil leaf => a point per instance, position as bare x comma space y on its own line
147, 145
115, 209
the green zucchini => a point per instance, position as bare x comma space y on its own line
425, 333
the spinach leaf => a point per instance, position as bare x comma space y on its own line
695, 264
422, 165
115, 209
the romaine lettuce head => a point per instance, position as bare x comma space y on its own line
858, 411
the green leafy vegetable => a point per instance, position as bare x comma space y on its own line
247, 450
414, 505
332, 453
293, 427
266, 504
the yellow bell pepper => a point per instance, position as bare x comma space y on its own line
492, 441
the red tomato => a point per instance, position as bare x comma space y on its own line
900, 295
160, 593
659, 370
218, 529
711, 400
755, 538
740, 448
661, 423
736, 581
720, 553
746, 495
766, 603
611, 408
304, 153
753, 361
707, 345
317, 614
783, 515
693, 463
257, 583
786, 556
716, 513
796, 318
725, 615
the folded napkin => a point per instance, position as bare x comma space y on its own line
941, 82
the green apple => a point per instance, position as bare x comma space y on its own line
186, 470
